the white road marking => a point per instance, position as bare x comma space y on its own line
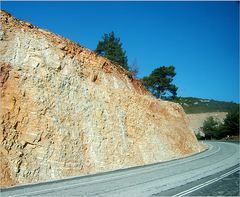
111, 178
188, 191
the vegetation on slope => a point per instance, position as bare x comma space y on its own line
193, 105
214, 129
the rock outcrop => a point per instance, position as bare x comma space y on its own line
66, 111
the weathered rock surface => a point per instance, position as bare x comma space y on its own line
196, 120
66, 111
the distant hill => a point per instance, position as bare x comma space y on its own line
193, 105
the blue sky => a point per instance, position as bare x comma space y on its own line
199, 38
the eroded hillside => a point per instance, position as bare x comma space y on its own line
197, 120
66, 111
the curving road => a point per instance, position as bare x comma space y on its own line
219, 161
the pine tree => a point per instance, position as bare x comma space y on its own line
159, 82
231, 122
111, 48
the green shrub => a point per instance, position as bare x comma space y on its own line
214, 129
211, 128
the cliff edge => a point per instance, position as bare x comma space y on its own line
66, 111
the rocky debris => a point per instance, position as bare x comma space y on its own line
66, 111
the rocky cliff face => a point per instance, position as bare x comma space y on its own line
66, 111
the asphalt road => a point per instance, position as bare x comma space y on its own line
179, 177
224, 183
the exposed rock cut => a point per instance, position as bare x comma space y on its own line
66, 111
196, 120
